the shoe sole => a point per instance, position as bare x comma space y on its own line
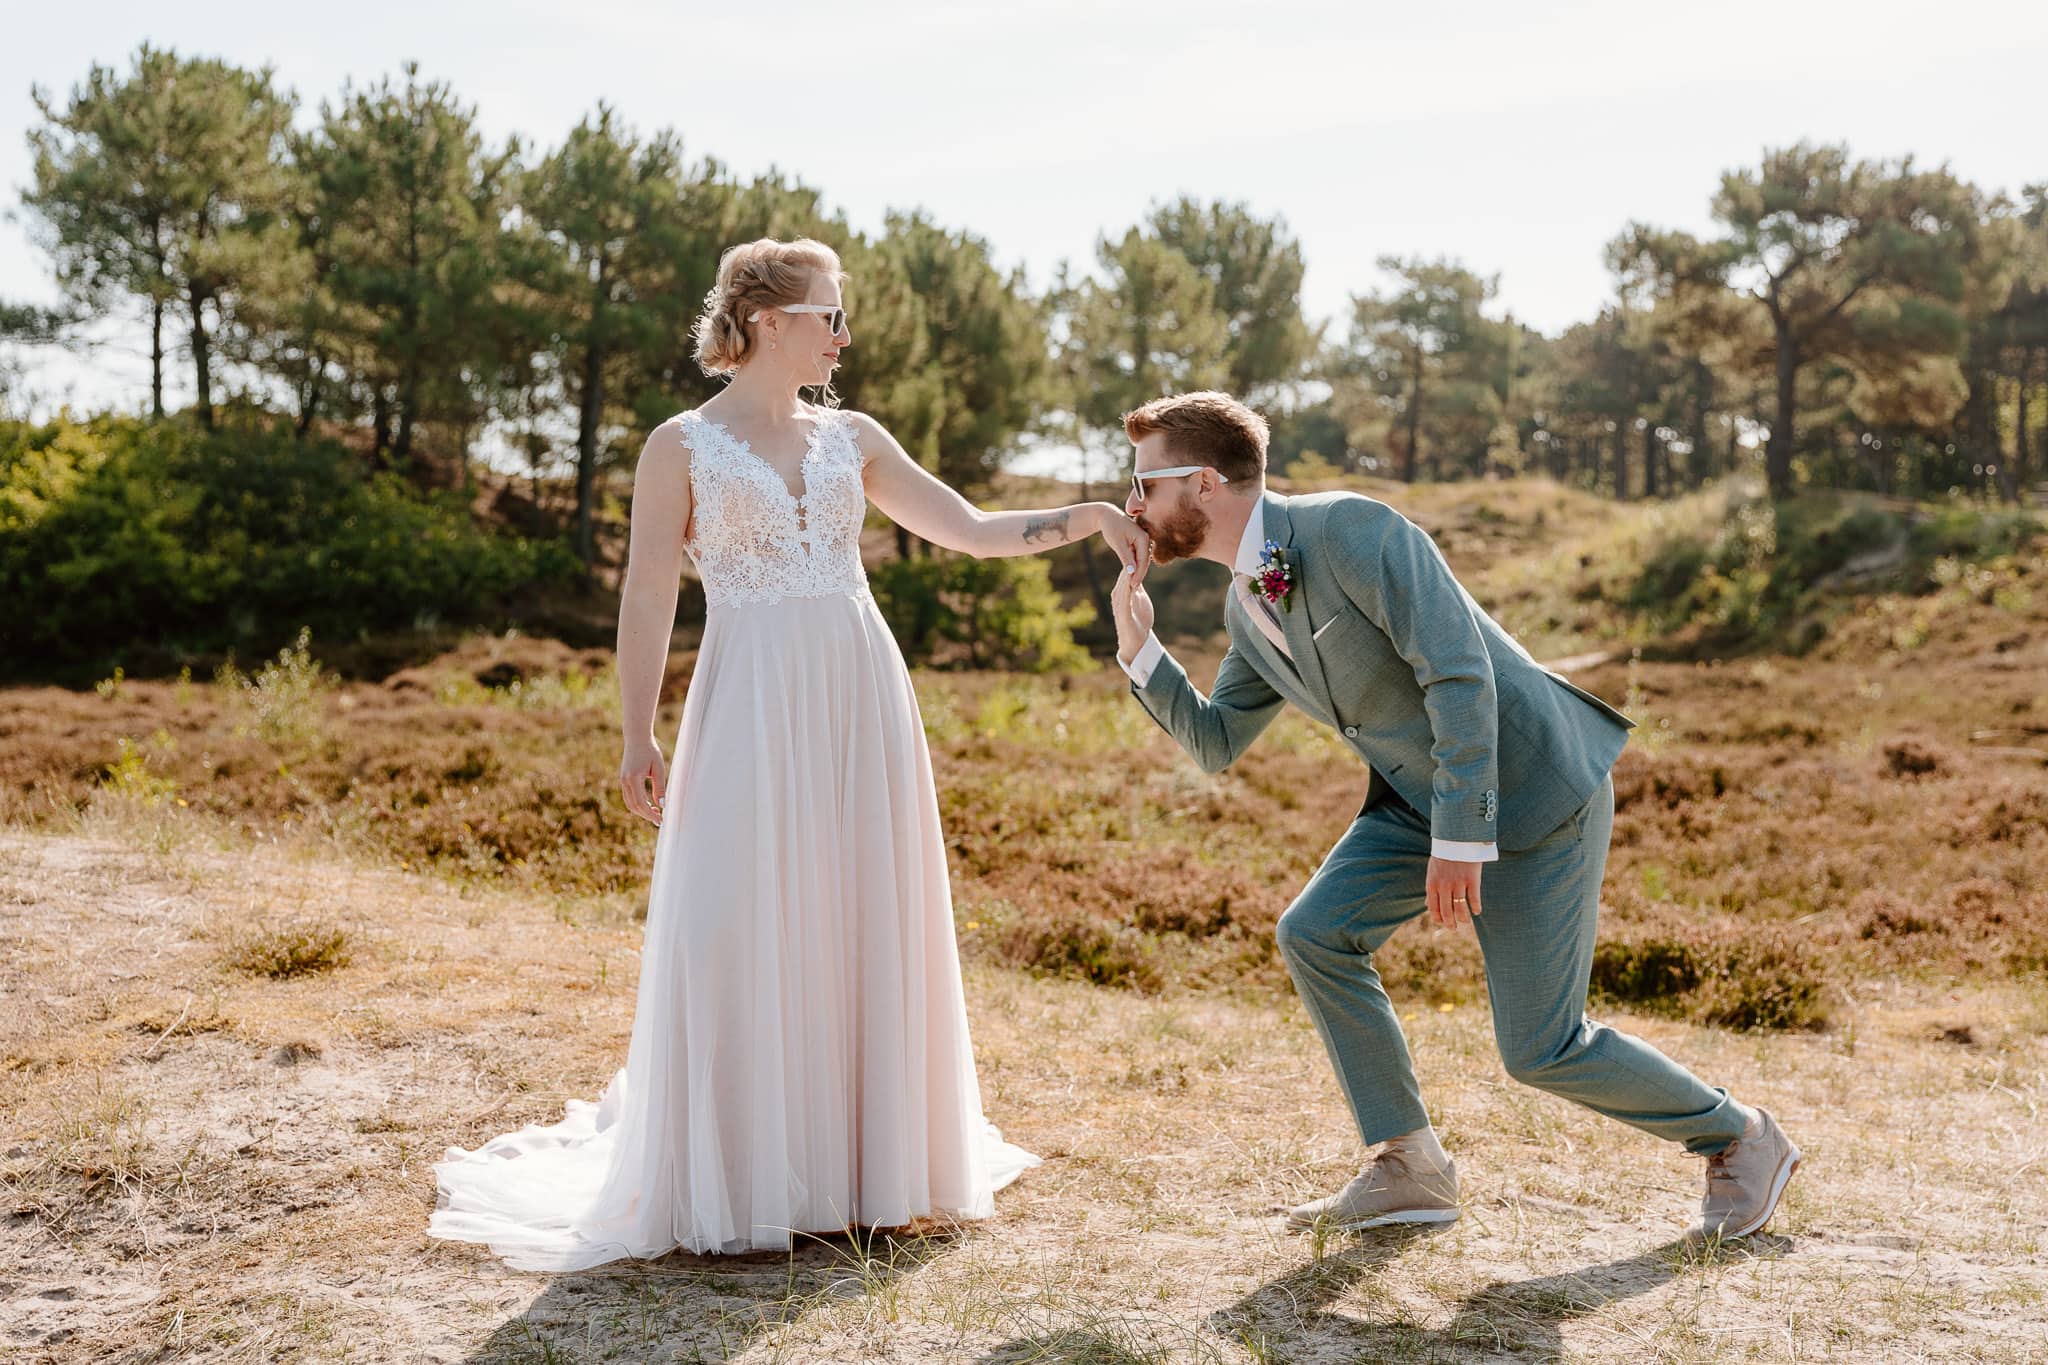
1783, 1178
1382, 1220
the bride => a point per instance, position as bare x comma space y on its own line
799, 1061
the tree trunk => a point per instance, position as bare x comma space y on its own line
309, 403
1881, 461
468, 469
1981, 439
1778, 451
202, 358
2014, 482
156, 325
1408, 456
401, 447
156, 359
2027, 460
1651, 445
409, 318
586, 451
1621, 459
1696, 463
380, 423
406, 406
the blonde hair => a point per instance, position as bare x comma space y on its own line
759, 274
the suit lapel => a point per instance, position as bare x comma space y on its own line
1242, 627
1297, 626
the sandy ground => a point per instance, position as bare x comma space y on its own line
200, 1163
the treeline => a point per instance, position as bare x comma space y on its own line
152, 546
1869, 324
385, 273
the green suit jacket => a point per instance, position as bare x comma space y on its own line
1390, 650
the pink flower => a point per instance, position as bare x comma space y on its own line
1275, 577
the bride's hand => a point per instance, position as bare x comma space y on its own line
1133, 548
643, 778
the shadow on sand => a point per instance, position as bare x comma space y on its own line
1509, 1319
705, 1308
1295, 1315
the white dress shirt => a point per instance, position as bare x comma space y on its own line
1249, 549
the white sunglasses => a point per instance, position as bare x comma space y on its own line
1138, 477
835, 319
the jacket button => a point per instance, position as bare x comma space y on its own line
1351, 732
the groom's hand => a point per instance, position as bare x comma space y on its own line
1132, 606
1452, 891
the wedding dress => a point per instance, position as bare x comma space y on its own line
800, 1057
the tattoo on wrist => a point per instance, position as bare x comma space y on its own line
1052, 527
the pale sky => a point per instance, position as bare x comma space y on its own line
1517, 138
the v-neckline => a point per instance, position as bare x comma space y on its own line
803, 465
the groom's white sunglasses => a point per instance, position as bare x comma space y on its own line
1138, 477
835, 318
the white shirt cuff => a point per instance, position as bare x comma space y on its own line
1458, 852
1147, 658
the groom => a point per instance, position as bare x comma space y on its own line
1480, 759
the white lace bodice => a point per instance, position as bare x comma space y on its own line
752, 540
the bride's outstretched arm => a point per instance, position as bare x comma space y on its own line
647, 610
912, 497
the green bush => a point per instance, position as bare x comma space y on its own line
1819, 535
1655, 972
1768, 979
1750, 978
156, 542
1073, 944
1669, 575
1766, 576
984, 613
284, 697
1961, 530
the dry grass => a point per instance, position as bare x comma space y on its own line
268, 944
206, 1165
1747, 883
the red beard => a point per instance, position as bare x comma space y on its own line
1179, 535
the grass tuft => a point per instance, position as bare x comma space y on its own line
294, 950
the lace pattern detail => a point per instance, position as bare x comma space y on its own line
754, 542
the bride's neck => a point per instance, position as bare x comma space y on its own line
771, 396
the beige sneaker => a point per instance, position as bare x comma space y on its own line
1745, 1181
1396, 1188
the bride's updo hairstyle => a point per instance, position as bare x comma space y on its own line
754, 275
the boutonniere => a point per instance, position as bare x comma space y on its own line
1275, 577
